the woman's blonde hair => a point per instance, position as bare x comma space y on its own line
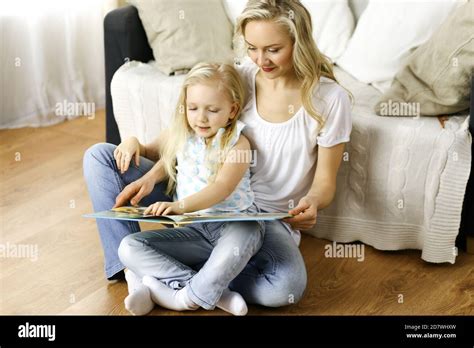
227, 80
309, 63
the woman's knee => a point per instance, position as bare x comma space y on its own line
98, 152
298, 285
288, 285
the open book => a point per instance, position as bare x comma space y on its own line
137, 214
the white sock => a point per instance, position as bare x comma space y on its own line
232, 302
167, 297
133, 281
139, 301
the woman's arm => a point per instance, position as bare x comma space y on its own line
142, 187
324, 183
227, 179
157, 173
322, 190
135, 191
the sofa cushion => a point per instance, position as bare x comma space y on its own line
144, 100
438, 74
386, 33
182, 33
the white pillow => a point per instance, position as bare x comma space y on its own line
387, 32
234, 8
333, 23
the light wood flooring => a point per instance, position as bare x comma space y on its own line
43, 196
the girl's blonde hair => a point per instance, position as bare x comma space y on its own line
227, 80
309, 63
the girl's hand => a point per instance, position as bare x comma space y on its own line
125, 151
305, 212
135, 191
165, 208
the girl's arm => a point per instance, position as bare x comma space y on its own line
157, 172
227, 179
152, 150
322, 190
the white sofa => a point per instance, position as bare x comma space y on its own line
401, 184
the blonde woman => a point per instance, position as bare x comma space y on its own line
298, 119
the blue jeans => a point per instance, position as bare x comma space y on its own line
275, 276
203, 257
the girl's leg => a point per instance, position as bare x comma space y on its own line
276, 275
234, 245
173, 257
166, 254
104, 183
138, 301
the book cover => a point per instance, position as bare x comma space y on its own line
131, 213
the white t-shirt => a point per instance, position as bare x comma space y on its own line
286, 152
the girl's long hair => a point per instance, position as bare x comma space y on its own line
227, 79
309, 63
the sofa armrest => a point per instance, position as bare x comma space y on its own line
124, 40
466, 230
471, 111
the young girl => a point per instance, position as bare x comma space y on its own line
196, 158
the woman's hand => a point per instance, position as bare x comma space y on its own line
305, 212
125, 151
135, 191
165, 208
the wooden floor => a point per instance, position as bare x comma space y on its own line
43, 196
